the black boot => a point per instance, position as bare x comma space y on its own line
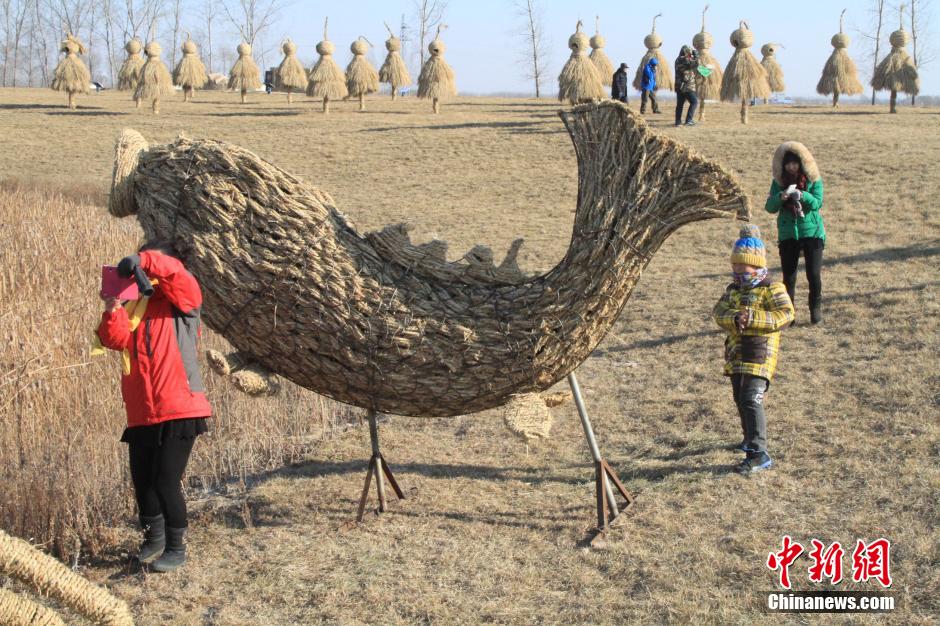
815, 314
154, 538
175, 553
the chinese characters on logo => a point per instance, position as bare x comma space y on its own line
869, 560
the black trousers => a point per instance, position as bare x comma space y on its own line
157, 472
681, 98
749, 397
812, 250
651, 95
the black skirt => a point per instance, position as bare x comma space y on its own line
154, 435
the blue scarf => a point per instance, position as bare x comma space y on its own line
750, 279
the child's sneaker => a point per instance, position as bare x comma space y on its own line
754, 462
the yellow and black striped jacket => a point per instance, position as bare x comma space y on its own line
754, 350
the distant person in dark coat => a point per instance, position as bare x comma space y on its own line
620, 84
648, 86
686, 68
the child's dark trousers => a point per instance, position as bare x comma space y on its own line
749, 396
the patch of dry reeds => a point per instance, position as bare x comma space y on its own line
579, 80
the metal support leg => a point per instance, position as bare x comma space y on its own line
380, 469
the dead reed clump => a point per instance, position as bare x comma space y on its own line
579, 80
326, 80
708, 87
291, 75
244, 75
600, 59
71, 75
527, 416
361, 77
897, 71
394, 71
437, 80
155, 81
744, 77
772, 66
129, 74
190, 72
654, 44
839, 75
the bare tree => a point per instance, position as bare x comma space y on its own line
877, 12
251, 17
429, 15
175, 16
921, 36
210, 11
531, 33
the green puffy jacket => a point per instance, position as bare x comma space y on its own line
790, 227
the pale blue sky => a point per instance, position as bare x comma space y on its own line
484, 53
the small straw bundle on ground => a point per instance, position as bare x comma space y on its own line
579, 80
326, 79
155, 81
839, 75
600, 59
361, 77
654, 43
897, 71
526, 415
129, 74
437, 80
772, 67
744, 77
291, 75
394, 71
47, 576
190, 73
244, 75
708, 87
71, 75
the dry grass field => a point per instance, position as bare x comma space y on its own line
490, 533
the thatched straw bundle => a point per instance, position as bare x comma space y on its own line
291, 75
437, 79
326, 79
654, 43
190, 73
46, 575
526, 415
71, 75
772, 67
244, 75
744, 77
375, 321
579, 80
839, 75
361, 77
394, 71
897, 71
129, 74
708, 87
155, 81
18, 610
600, 59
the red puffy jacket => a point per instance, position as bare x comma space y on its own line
164, 383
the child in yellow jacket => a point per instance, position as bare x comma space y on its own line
753, 310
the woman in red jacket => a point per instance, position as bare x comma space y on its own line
163, 394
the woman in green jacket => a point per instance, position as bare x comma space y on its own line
796, 196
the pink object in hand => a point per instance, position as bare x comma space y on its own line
113, 286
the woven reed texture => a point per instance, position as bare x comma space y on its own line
839, 75
579, 80
244, 75
600, 59
129, 73
18, 610
374, 321
326, 79
772, 67
654, 43
897, 71
291, 74
437, 80
71, 75
393, 70
248, 377
46, 575
361, 77
190, 72
155, 81
527, 416
744, 77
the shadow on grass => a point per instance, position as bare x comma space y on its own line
654, 343
818, 111
509, 125
256, 114
81, 113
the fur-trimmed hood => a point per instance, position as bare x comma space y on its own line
806, 158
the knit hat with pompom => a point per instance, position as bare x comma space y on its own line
749, 249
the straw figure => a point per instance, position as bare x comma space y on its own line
654, 43
437, 80
244, 75
190, 73
71, 75
708, 87
839, 75
155, 81
129, 73
326, 79
744, 76
897, 71
291, 75
394, 71
772, 67
579, 80
361, 77
601, 61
